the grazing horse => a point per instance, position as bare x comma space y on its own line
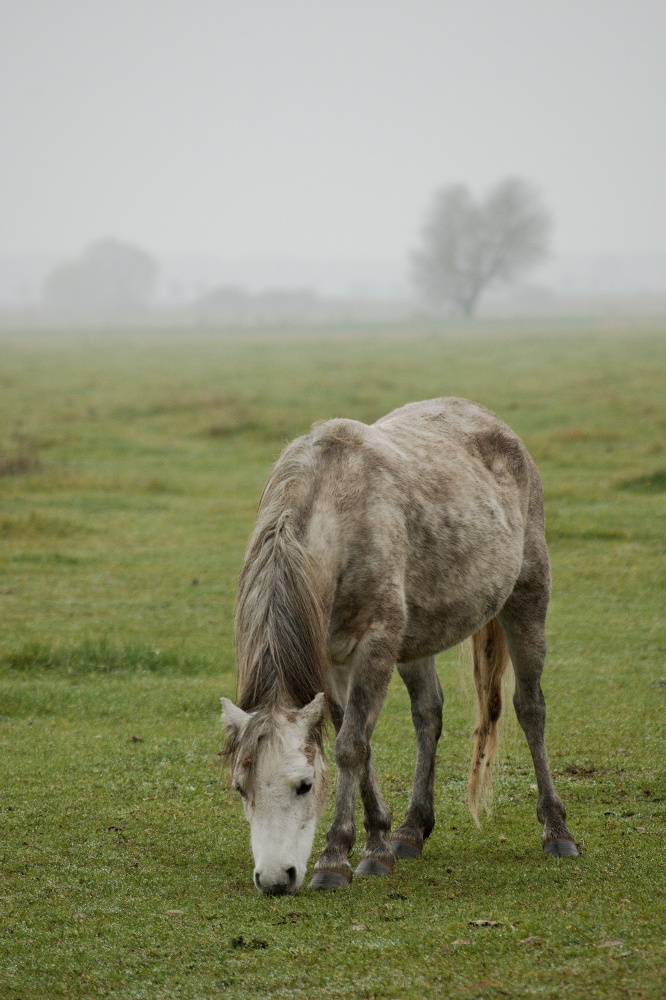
375, 546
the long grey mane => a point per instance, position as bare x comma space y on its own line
281, 630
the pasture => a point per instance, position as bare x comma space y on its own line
130, 471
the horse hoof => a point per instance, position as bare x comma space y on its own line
561, 849
402, 849
329, 880
372, 866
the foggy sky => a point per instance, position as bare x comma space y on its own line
321, 128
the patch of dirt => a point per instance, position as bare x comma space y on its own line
249, 944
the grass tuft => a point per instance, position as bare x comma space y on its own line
101, 657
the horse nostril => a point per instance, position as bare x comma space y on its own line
291, 875
257, 881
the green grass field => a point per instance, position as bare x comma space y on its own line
130, 471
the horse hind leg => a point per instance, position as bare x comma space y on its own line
523, 622
425, 694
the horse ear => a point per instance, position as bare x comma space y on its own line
234, 718
310, 717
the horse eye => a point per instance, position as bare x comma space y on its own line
304, 788
239, 789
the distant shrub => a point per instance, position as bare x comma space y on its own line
650, 482
22, 461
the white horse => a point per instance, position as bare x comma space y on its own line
375, 546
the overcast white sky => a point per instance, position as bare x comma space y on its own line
321, 128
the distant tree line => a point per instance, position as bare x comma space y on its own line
466, 248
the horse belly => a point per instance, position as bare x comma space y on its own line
460, 579
431, 630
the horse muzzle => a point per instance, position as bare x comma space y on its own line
278, 883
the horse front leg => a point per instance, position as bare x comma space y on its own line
377, 816
332, 870
425, 694
372, 666
377, 857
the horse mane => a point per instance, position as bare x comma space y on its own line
281, 629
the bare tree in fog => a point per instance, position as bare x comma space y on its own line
110, 279
466, 247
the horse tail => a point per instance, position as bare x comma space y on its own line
491, 658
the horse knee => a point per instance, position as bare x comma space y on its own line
427, 715
426, 697
428, 724
351, 752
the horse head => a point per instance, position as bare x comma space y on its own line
278, 767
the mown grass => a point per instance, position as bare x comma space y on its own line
130, 469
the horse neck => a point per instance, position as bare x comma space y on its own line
281, 628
